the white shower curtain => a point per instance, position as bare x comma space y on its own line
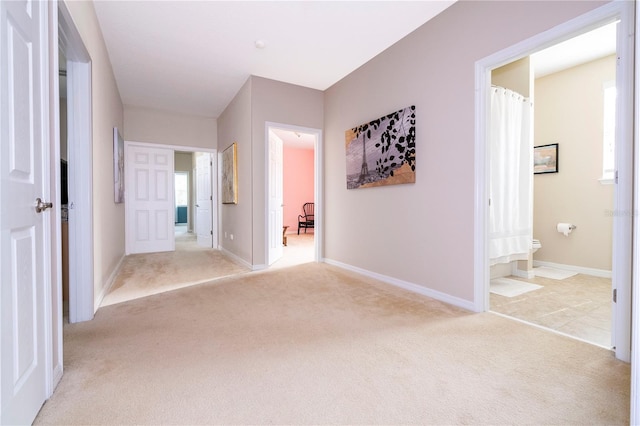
511, 186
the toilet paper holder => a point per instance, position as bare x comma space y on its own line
565, 228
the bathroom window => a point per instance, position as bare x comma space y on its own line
609, 133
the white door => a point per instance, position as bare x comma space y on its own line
204, 200
149, 195
24, 234
275, 198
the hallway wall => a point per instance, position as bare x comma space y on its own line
424, 232
163, 127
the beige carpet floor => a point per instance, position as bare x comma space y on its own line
314, 344
145, 274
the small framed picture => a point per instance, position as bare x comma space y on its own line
545, 159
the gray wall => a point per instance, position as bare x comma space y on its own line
423, 233
162, 127
259, 101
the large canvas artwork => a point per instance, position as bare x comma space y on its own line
383, 151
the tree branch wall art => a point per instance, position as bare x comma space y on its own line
383, 151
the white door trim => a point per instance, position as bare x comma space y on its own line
635, 302
82, 305
622, 233
212, 238
55, 302
318, 198
275, 207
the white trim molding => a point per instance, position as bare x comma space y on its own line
238, 259
406, 285
602, 273
635, 301
110, 281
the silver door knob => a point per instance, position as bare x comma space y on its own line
42, 206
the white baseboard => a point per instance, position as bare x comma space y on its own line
110, 281
602, 273
415, 288
236, 258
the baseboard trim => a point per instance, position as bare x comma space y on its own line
415, 288
602, 273
236, 258
110, 281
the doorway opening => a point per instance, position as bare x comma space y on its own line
621, 200
195, 214
294, 209
184, 196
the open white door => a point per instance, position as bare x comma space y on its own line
275, 197
204, 200
149, 199
24, 241
622, 267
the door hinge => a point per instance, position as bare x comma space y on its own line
211, 232
211, 197
615, 177
615, 295
211, 163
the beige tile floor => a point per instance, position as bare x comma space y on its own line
579, 306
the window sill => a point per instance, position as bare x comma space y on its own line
606, 180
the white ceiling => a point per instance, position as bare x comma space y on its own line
297, 140
587, 47
192, 57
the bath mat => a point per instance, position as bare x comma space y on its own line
511, 288
553, 273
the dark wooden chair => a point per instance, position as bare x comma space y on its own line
306, 220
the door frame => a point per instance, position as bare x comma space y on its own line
625, 144
318, 186
215, 211
275, 249
80, 155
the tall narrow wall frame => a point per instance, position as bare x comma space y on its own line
230, 175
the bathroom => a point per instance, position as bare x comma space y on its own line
568, 109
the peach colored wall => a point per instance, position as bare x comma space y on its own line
298, 183
574, 194
423, 233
